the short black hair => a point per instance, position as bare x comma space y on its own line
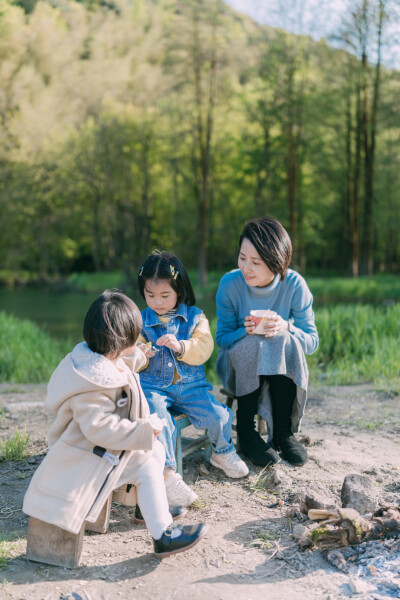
167, 266
112, 323
272, 242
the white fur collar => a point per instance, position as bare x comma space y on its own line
97, 368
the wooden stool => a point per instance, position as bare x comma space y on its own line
53, 545
186, 445
261, 424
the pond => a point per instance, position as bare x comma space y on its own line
61, 314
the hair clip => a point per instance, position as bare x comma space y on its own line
141, 271
173, 272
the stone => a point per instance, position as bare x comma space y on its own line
358, 587
316, 496
292, 512
359, 492
279, 477
203, 470
298, 531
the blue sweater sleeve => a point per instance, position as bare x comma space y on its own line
229, 330
302, 322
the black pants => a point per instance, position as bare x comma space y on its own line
283, 393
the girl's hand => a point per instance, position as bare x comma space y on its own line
156, 423
170, 341
147, 351
274, 325
249, 325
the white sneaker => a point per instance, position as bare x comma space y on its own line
178, 493
231, 464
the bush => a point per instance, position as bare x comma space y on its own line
27, 354
358, 343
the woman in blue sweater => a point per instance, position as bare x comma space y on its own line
267, 372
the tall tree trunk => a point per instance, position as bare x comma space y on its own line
291, 158
369, 135
147, 199
264, 169
96, 232
353, 176
204, 137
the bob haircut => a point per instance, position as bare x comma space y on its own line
167, 266
112, 323
272, 242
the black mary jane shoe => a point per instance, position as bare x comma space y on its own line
175, 511
178, 538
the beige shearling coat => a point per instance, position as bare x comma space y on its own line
95, 405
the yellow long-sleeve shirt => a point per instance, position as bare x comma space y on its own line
197, 350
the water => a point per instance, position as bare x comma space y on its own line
61, 314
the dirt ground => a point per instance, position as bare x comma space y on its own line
249, 551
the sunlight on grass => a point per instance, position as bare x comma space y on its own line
13, 447
32, 355
9, 548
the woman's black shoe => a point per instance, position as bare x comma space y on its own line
178, 538
257, 450
292, 451
175, 511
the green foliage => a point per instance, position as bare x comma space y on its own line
96, 283
376, 289
211, 364
27, 354
357, 343
13, 447
107, 128
8, 548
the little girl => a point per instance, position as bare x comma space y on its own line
180, 343
103, 435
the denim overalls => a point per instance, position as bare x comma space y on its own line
190, 394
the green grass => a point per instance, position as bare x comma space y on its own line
264, 540
13, 447
377, 289
358, 343
8, 549
27, 354
96, 283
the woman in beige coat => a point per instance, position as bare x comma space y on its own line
103, 435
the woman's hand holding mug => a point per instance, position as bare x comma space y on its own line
267, 323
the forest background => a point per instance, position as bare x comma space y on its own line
126, 126
132, 125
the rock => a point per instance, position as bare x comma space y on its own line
360, 493
358, 587
203, 470
316, 496
391, 584
280, 477
292, 512
306, 440
336, 558
298, 531
277, 477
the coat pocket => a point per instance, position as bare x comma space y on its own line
70, 473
